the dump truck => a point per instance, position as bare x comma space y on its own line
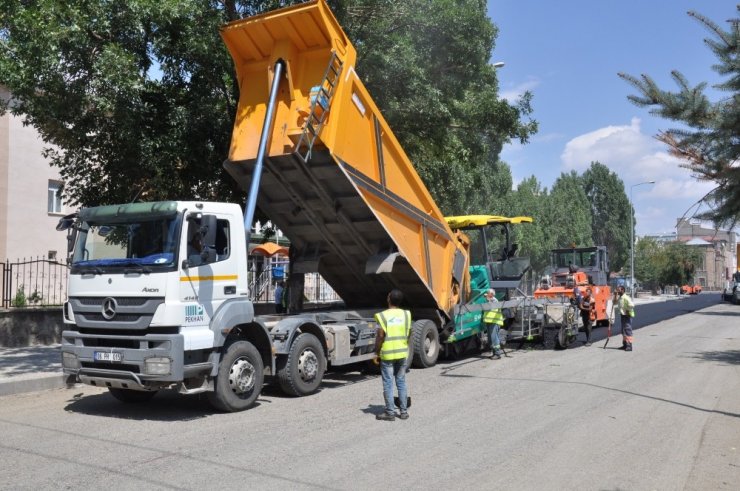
158, 295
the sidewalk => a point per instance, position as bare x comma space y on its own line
30, 368
647, 298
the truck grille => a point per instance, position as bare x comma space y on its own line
130, 313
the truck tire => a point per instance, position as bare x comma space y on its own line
425, 343
132, 396
549, 337
240, 378
562, 339
300, 373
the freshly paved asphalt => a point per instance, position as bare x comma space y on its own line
35, 368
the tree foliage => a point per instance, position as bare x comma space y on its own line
530, 199
568, 213
649, 262
136, 99
427, 65
710, 145
658, 265
610, 212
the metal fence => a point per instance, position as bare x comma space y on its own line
33, 282
262, 286
41, 282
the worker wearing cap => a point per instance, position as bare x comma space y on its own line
494, 321
627, 312
392, 346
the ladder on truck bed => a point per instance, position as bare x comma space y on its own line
321, 96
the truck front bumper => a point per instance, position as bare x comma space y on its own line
142, 362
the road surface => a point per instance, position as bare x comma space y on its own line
666, 416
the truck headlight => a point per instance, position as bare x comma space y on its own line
70, 360
158, 365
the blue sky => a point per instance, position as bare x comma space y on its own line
568, 54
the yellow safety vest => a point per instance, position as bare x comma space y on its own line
494, 316
397, 326
626, 305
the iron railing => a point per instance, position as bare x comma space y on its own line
33, 282
41, 282
262, 286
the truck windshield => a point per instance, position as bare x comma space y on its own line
488, 250
142, 244
576, 258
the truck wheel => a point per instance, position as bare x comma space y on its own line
240, 378
563, 338
549, 337
132, 396
425, 343
300, 373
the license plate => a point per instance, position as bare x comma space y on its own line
108, 356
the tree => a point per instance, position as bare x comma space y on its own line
710, 146
610, 212
446, 111
136, 99
658, 265
529, 199
680, 264
649, 262
568, 213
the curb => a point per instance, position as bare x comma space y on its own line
50, 381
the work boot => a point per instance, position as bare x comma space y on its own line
403, 416
386, 417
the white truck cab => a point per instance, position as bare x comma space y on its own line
154, 291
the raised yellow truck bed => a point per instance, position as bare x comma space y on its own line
335, 180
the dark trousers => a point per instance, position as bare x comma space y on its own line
587, 326
626, 330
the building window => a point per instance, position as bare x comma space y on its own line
54, 203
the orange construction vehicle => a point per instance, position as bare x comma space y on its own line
691, 290
572, 271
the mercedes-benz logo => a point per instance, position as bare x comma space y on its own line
109, 308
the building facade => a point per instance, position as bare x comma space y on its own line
30, 205
719, 252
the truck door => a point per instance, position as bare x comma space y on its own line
208, 274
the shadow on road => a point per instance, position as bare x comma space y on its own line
167, 405
719, 314
729, 357
602, 387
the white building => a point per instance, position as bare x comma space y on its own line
29, 203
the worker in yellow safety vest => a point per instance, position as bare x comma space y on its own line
627, 311
493, 320
392, 346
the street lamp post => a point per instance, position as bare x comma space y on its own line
632, 238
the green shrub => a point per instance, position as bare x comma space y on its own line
20, 298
